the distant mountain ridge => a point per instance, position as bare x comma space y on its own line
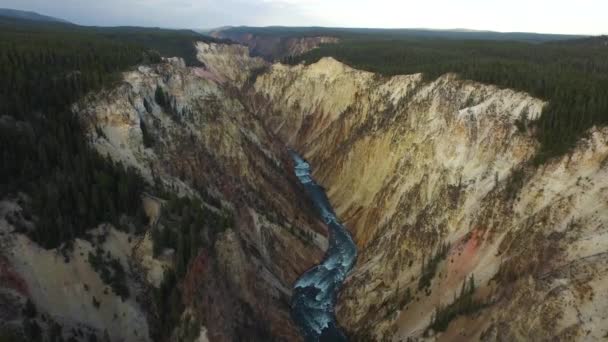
28, 15
385, 33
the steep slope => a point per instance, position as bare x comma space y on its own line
435, 183
184, 132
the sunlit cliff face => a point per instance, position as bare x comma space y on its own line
411, 166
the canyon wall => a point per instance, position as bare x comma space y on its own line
436, 182
189, 137
203, 138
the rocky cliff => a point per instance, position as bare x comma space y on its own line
435, 181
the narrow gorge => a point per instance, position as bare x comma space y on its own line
436, 182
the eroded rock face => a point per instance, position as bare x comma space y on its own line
227, 63
411, 165
203, 139
184, 131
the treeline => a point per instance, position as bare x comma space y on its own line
572, 77
44, 151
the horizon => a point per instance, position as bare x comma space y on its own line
456, 29
558, 17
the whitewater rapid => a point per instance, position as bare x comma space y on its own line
315, 292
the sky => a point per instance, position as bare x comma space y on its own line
544, 16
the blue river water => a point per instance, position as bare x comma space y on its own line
315, 292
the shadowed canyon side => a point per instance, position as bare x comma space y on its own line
204, 138
460, 236
315, 292
202, 152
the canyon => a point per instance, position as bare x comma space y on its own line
435, 180
411, 166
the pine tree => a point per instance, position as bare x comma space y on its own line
159, 97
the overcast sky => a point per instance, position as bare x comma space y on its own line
547, 16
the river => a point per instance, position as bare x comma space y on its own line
315, 292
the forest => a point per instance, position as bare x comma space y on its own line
572, 75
